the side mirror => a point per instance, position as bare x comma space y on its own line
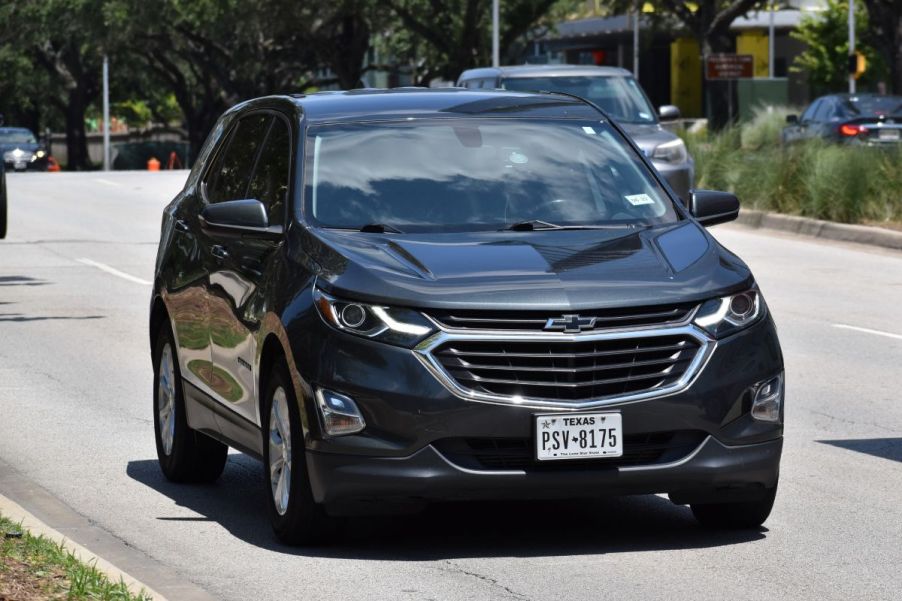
239, 217
792, 119
711, 207
668, 112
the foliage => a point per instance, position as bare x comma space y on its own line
851, 184
826, 37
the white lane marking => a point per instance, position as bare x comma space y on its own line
868, 331
115, 272
106, 181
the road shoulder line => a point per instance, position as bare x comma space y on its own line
49, 517
816, 228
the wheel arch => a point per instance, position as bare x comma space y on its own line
275, 346
159, 315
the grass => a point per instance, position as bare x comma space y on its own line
845, 183
34, 568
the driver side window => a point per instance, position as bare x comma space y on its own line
229, 177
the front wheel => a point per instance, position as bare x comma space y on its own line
735, 516
185, 455
296, 518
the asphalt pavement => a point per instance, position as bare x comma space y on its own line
75, 418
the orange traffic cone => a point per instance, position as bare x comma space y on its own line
153, 164
52, 165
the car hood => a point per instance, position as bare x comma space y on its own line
647, 136
566, 269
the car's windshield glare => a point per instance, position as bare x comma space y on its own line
875, 105
478, 174
619, 97
17, 137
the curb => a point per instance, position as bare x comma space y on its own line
16, 513
54, 519
827, 230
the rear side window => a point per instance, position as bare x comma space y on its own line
808, 115
269, 183
229, 176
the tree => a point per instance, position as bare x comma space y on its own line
825, 59
886, 35
455, 35
65, 39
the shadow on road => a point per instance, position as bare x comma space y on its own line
20, 318
453, 530
887, 448
20, 280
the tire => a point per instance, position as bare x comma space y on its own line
185, 455
735, 516
296, 518
2, 203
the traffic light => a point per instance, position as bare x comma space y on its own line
857, 65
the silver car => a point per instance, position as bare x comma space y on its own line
618, 94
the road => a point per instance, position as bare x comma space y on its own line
75, 418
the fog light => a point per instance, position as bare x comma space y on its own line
339, 414
768, 400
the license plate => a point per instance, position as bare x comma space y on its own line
20, 165
888, 134
578, 436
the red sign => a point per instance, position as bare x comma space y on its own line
729, 66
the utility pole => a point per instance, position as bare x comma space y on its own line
636, 39
496, 24
106, 113
770, 42
851, 43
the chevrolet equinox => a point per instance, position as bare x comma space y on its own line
403, 296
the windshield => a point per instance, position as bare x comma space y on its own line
478, 174
619, 97
17, 136
875, 105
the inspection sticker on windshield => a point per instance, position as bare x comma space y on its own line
589, 130
640, 199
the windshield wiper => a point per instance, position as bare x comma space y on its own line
537, 224
380, 228
531, 225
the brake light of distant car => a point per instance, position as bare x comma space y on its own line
728, 314
849, 130
403, 327
671, 152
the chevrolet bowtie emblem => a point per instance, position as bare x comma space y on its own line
570, 324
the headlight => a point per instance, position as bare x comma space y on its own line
403, 327
40, 154
671, 152
724, 316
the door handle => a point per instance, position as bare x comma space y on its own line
219, 252
182, 225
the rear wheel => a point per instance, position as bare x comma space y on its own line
735, 516
296, 518
185, 455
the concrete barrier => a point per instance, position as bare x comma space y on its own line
828, 230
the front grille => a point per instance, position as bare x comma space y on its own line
568, 370
657, 315
517, 453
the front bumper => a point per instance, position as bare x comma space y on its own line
412, 419
713, 470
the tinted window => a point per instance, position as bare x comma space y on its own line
479, 174
619, 97
824, 111
875, 105
229, 176
269, 184
808, 115
17, 136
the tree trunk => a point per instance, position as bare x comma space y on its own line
76, 140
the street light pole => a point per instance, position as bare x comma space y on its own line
851, 43
636, 40
496, 24
106, 113
770, 42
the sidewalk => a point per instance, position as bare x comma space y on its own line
828, 230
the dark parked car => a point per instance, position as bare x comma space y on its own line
618, 93
21, 150
403, 296
850, 118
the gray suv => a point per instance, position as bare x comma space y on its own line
617, 92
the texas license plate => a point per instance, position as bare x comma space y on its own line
888, 134
578, 436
